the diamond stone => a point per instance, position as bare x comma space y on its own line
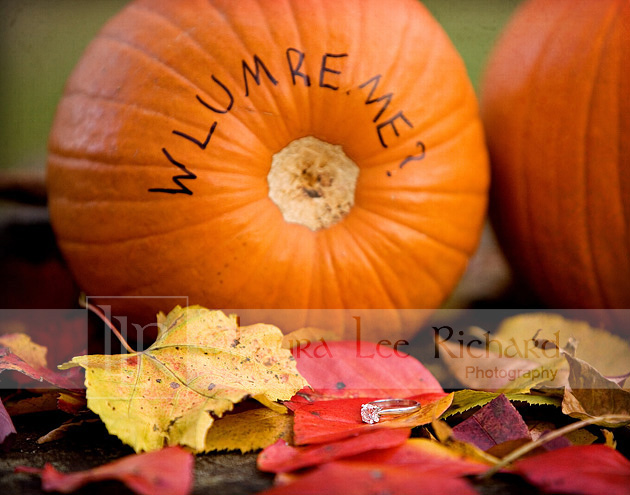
370, 413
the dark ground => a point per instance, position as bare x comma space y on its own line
90, 445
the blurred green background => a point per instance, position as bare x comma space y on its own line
42, 40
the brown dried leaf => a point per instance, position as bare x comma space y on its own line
485, 369
589, 394
47, 401
606, 352
61, 431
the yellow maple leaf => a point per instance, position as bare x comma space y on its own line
22, 346
249, 430
201, 364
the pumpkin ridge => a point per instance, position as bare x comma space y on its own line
227, 75
168, 233
396, 53
625, 205
81, 93
600, 289
456, 249
97, 160
375, 160
308, 119
588, 257
375, 226
272, 96
285, 233
202, 50
456, 112
201, 199
132, 288
531, 188
376, 191
330, 266
520, 167
163, 64
362, 251
464, 125
370, 258
437, 40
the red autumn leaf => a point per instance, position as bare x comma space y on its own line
167, 471
348, 478
331, 420
12, 362
281, 457
362, 369
6, 425
345, 375
417, 466
584, 469
495, 423
424, 454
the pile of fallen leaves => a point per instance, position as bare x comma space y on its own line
207, 384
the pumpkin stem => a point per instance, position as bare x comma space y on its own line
312, 182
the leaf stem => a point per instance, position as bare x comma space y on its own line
97, 311
521, 451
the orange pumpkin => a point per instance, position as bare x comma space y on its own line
269, 154
555, 104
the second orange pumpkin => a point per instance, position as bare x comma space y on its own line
556, 100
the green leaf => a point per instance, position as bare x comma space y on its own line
465, 400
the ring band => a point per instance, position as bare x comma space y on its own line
372, 411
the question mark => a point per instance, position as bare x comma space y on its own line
410, 158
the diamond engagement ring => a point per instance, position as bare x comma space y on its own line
372, 411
